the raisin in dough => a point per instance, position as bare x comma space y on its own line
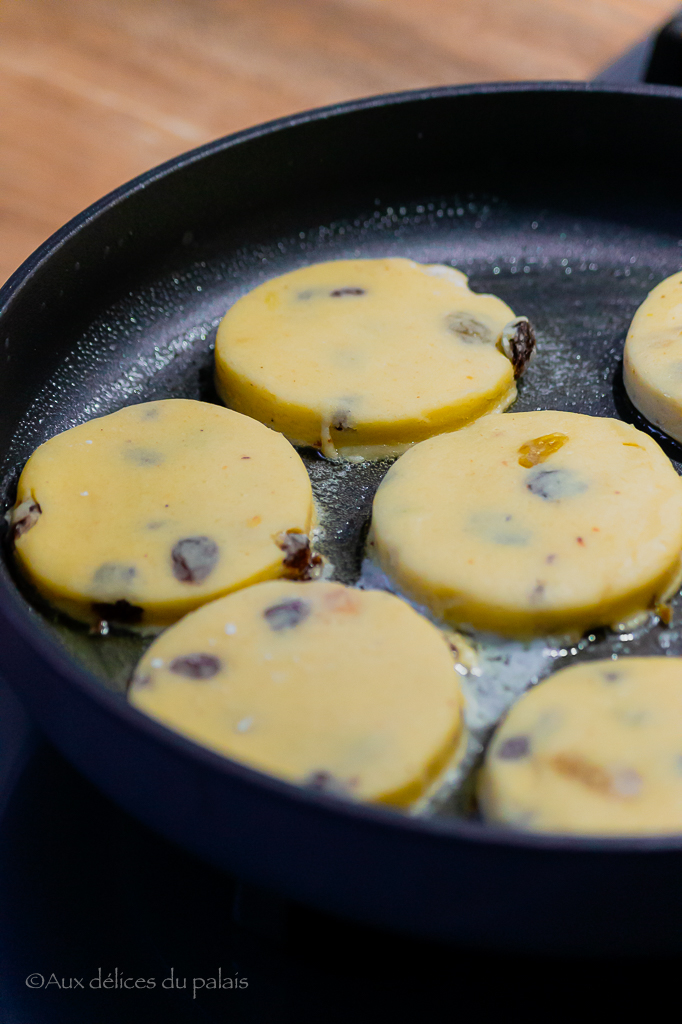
363, 357
597, 748
142, 515
532, 523
652, 361
344, 690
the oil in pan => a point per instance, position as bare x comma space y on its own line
578, 282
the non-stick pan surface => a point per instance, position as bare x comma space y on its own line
565, 200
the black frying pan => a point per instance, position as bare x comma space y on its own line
565, 200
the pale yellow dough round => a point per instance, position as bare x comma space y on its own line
361, 358
652, 360
343, 690
140, 516
532, 523
596, 749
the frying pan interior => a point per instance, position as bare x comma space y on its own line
564, 200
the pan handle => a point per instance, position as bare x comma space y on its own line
665, 63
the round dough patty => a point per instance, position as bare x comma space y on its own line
652, 361
597, 748
140, 516
363, 357
344, 690
532, 523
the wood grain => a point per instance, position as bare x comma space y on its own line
93, 92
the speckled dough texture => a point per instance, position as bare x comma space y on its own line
652, 360
532, 523
361, 358
140, 516
596, 749
343, 690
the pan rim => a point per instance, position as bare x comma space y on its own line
111, 199
445, 829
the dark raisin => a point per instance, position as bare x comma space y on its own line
287, 614
24, 517
341, 421
120, 611
498, 528
325, 782
196, 666
144, 456
514, 748
112, 576
469, 329
194, 558
512, 538
555, 484
339, 292
518, 344
140, 682
299, 561
611, 677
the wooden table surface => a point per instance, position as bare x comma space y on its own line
92, 92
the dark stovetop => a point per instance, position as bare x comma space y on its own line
91, 903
